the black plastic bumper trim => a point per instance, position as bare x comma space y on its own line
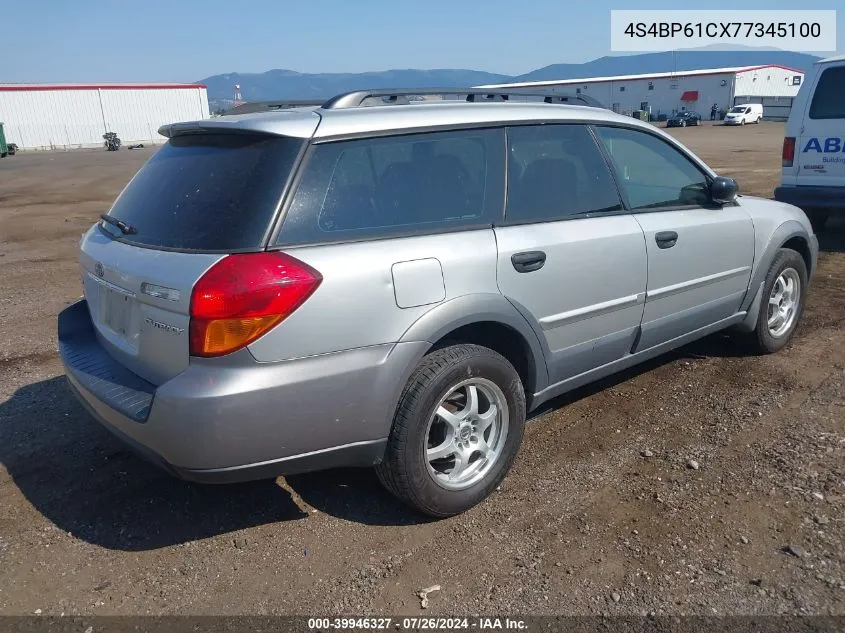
95, 370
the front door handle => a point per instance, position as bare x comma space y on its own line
528, 261
666, 239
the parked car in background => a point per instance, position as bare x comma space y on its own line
745, 113
813, 174
394, 283
6, 149
683, 119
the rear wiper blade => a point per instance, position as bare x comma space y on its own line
126, 229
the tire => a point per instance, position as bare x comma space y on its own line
742, 121
788, 265
428, 486
683, 123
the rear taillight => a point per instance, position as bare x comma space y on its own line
243, 296
788, 151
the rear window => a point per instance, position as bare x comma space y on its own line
829, 96
207, 192
400, 185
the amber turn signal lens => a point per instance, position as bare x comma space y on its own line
221, 336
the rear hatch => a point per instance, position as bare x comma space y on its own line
199, 198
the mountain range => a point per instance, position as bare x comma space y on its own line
289, 84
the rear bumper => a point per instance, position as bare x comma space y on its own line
812, 197
234, 419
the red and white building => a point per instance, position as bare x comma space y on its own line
696, 90
59, 116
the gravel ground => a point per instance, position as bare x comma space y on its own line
705, 482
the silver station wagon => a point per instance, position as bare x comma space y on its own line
393, 279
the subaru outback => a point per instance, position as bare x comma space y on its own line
393, 282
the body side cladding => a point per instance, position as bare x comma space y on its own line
750, 321
357, 455
447, 317
632, 359
780, 236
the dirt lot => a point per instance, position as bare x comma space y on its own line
584, 523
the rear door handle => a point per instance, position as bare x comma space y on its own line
528, 261
666, 239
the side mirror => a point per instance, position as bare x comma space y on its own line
723, 190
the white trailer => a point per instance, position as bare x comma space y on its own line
49, 116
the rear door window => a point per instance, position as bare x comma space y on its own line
207, 192
829, 96
399, 185
556, 171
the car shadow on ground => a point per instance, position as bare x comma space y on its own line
354, 494
85, 482
719, 345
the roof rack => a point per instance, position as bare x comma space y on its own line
363, 98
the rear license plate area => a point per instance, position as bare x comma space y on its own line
116, 309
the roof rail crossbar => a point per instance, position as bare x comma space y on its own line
359, 98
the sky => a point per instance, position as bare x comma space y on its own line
188, 40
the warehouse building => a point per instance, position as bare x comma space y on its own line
695, 90
66, 116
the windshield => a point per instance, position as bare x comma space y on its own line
737, 110
208, 192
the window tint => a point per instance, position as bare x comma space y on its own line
829, 97
397, 185
651, 172
213, 192
555, 171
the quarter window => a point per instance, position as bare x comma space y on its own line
652, 173
829, 96
381, 187
556, 171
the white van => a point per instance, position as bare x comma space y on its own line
744, 113
813, 175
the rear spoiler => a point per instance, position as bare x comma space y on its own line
193, 127
299, 126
